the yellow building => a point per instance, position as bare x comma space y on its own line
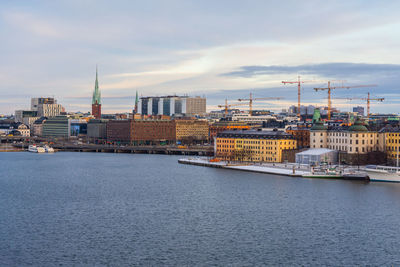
256, 146
392, 145
191, 130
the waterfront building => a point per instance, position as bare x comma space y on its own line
152, 131
222, 126
57, 127
96, 99
119, 131
316, 156
189, 130
356, 144
172, 105
354, 139
97, 130
253, 145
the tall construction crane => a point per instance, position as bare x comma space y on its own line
226, 106
251, 99
368, 99
329, 88
299, 82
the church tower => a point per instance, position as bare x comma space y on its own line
96, 100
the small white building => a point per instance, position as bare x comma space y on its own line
315, 156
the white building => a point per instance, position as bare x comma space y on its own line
354, 139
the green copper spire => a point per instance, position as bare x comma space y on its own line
136, 102
96, 94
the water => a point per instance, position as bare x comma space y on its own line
126, 209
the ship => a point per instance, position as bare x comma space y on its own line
48, 149
383, 173
36, 149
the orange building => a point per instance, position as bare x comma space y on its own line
301, 133
220, 127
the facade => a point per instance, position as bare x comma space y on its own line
96, 99
23, 129
172, 105
30, 121
49, 110
57, 127
301, 133
219, 127
97, 130
355, 139
119, 131
191, 130
392, 144
256, 146
152, 131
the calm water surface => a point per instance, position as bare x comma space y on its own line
123, 209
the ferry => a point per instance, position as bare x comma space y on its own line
48, 149
383, 173
36, 149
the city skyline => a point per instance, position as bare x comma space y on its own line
203, 48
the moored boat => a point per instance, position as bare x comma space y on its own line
48, 149
383, 173
36, 149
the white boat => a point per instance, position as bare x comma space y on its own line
48, 149
36, 149
383, 173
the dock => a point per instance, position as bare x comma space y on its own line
292, 172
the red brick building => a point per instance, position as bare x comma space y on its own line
152, 131
301, 133
119, 131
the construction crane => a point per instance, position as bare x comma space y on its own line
226, 106
368, 99
329, 88
299, 82
251, 99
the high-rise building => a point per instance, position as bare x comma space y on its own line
172, 105
96, 100
35, 102
49, 110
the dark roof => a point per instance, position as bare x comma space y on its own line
256, 134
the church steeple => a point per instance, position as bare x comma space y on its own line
96, 94
96, 99
136, 103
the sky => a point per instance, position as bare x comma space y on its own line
217, 49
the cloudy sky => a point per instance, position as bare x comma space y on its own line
218, 49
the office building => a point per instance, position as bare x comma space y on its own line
57, 127
172, 105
